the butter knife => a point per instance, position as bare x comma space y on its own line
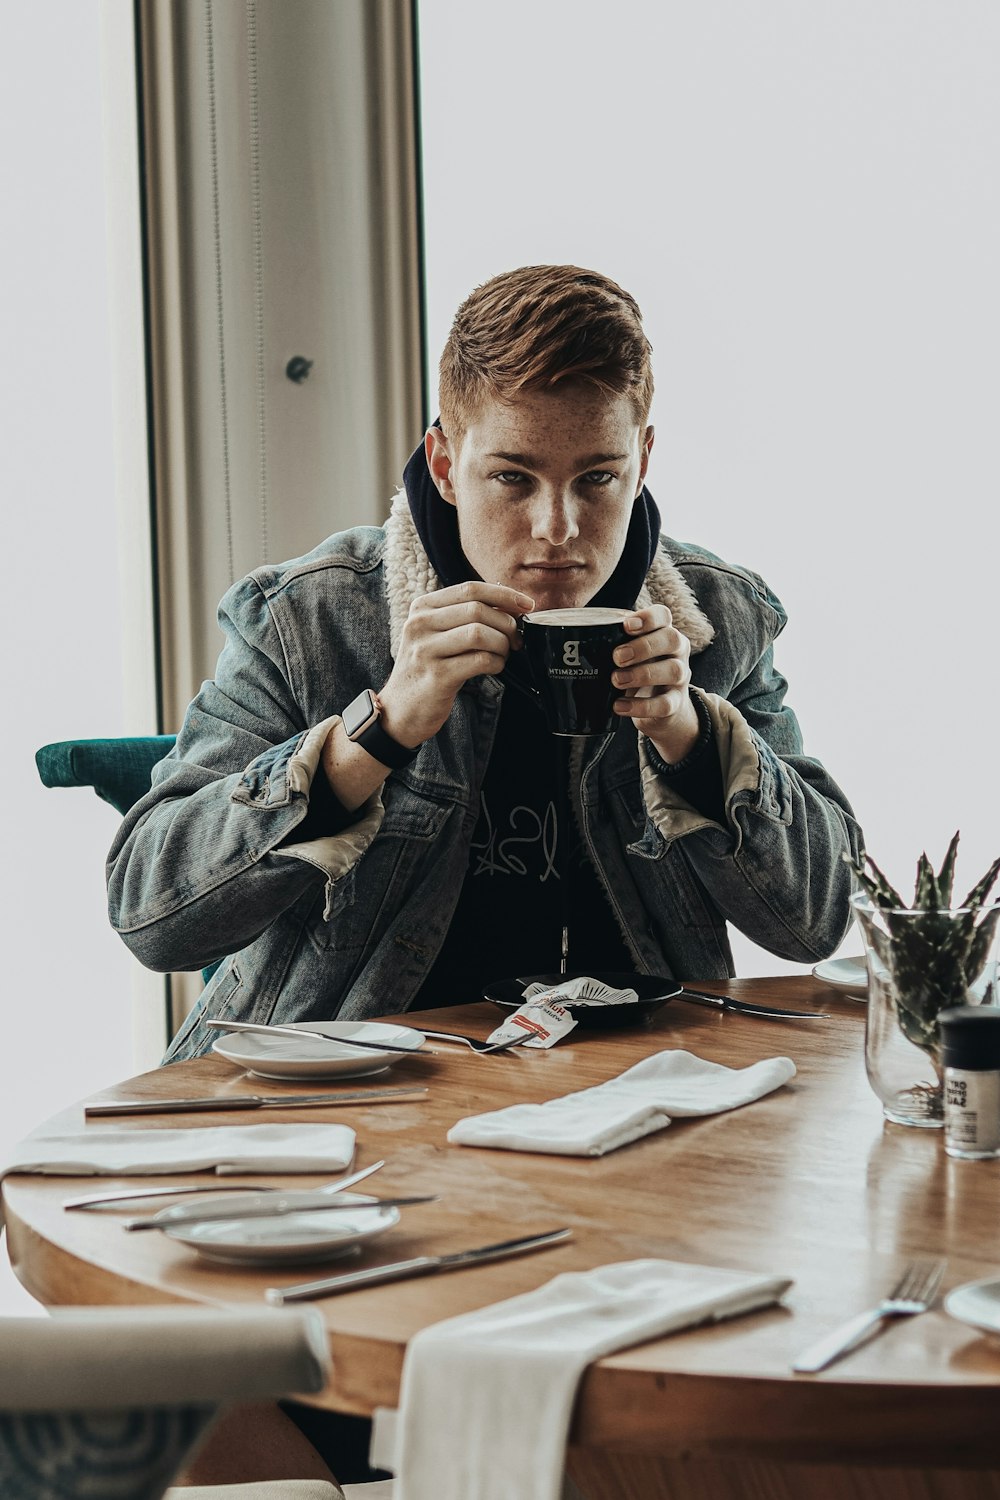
320, 1036
276, 1208
748, 1008
253, 1195
421, 1265
255, 1202
247, 1101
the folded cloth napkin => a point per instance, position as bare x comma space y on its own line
642, 1099
116, 1152
486, 1399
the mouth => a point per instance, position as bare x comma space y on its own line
550, 568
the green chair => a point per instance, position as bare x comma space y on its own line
118, 770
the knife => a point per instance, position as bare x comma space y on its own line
277, 1208
319, 1036
255, 1195
98, 1200
745, 1008
258, 1200
246, 1101
421, 1265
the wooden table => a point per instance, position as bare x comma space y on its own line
806, 1182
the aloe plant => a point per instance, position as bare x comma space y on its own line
933, 950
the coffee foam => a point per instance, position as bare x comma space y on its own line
596, 615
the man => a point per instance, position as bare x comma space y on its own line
364, 810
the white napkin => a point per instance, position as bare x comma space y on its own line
114, 1152
637, 1102
486, 1399
584, 991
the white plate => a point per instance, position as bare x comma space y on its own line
976, 1303
284, 1057
305, 1236
852, 973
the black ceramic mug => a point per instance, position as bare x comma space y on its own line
570, 655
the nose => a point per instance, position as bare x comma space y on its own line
554, 518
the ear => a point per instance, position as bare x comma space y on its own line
439, 461
647, 447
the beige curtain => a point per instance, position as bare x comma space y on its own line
282, 240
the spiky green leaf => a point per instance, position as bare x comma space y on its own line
982, 888
946, 879
925, 893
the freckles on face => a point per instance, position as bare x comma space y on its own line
544, 488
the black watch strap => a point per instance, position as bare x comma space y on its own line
363, 725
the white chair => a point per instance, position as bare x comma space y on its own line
108, 1404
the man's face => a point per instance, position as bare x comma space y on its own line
544, 488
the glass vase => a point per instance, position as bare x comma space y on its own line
920, 963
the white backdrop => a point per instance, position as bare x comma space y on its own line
804, 200
67, 1026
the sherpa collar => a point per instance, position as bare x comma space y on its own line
408, 574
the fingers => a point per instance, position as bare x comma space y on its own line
476, 592
473, 614
664, 671
653, 669
449, 636
649, 705
656, 656
470, 623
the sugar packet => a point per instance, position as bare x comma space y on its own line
543, 1016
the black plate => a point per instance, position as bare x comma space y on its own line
653, 992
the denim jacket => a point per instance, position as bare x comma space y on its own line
207, 865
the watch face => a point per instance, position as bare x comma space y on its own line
359, 714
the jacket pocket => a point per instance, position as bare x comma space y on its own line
375, 889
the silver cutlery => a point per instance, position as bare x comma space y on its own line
421, 1265
95, 1200
474, 1043
914, 1292
721, 1002
257, 1202
254, 1196
749, 1008
320, 1036
249, 1101
278, 1208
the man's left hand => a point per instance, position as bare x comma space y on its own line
653, 669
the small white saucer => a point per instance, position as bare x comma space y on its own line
284, 1057
290, 1237
976, 1303
848, 973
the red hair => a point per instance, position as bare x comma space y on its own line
537, 326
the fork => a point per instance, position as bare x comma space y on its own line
474, 1043
914, 1292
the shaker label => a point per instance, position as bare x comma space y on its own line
957, 1092
972, 1110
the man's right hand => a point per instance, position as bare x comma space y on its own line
449, 637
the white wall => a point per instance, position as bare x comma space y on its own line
803, 199
66, 1016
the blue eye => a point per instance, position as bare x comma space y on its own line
511, 476
599, 477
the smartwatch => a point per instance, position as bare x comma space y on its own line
362, 725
